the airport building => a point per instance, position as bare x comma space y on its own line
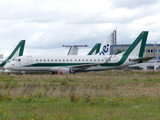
151, 50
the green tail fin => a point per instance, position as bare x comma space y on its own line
137, 47
18, 51
95, 49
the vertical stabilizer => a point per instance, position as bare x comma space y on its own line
105, 47
18, 51
95, 49
137, 47
102, 48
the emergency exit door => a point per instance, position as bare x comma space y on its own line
29, 60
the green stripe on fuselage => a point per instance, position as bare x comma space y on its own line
55, 64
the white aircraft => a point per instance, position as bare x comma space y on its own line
18, 51
74, 50
75, 63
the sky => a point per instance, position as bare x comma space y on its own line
46, 25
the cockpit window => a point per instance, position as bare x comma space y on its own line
16, 59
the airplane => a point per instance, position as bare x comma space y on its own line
18, 51
74, 50
83, 63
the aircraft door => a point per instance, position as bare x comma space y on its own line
29, 60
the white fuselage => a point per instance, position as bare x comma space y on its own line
68, 63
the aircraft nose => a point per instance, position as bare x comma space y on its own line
7, 66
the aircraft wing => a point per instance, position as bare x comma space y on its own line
142, 59
90, 65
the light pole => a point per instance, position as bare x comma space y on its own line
155, 45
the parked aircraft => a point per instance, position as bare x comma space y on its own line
74, 50
18, 51
72, 63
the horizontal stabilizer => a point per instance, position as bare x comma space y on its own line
74, 49
75, 45
142, 59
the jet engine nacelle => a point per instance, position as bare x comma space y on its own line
61, 70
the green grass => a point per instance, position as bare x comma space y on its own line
108, 95
92, 108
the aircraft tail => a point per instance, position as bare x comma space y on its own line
18, 51
73, 51
101, 48
138, 46
95, 49
105, 47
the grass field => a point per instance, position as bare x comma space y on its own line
109, 95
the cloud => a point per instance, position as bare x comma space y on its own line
132, 4
47, 25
